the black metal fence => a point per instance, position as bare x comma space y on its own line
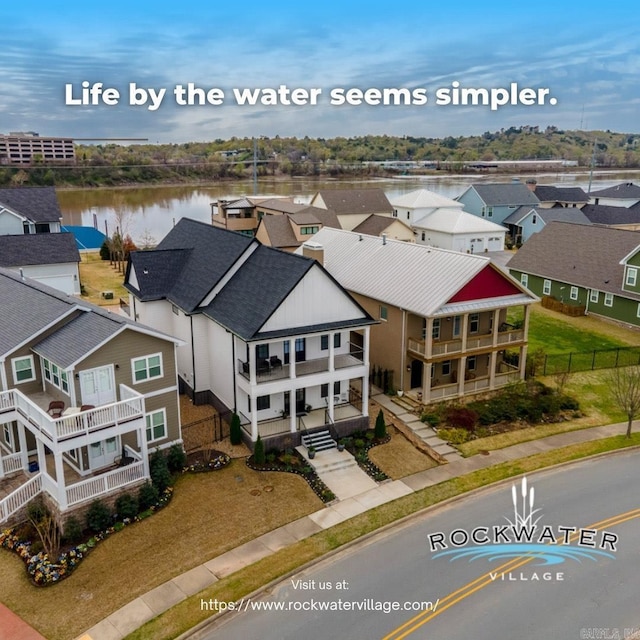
200, 433
557, 363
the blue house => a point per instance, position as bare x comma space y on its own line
497, 201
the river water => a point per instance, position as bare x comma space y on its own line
148, 213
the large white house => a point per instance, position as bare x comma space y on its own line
267, 334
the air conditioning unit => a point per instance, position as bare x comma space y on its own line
107, 295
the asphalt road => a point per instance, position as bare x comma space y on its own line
594, 597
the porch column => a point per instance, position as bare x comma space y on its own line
462, 369
254, 419
141, 437
72, 387
22, 439
426, 382
292, 360
332, 363
428, 338
331, 403
496, 327
252, 365
365, 347
42, 460
293, 425
365, 396
493, 361
62, 487
523, 361
525, 324
465, 330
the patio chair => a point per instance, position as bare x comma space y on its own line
87, 407
263, 366
56, 407
275, 362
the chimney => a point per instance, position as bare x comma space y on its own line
532, 183
315, 250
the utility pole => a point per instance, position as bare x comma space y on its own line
593, 162
255, 167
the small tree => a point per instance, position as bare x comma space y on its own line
46, 526
258, 451
127, 506
380, 428
624, 385
176, 458
147, 496
159, 471
235, 430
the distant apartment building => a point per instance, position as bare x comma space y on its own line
27, 148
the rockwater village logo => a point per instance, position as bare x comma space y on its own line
525, 538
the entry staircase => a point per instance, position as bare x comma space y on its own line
319, 440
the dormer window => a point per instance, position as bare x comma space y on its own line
632, 277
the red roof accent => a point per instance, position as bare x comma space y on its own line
489, 283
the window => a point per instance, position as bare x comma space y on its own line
23, 369
324, 341
489, 212
336, 388
8, 435
435, 330
608, 299
456, 327
147, 368
408, 215
574, 293
594, 296
524, 279
471, 363
474, 323
546, 288
632, 276
262, 352
534, 219
395, 213
308, 231
446, 367
156, 425
383, 313
324, 390
423, 235
263, 402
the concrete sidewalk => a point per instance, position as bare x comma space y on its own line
142, 609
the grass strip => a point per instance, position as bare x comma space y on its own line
187, 614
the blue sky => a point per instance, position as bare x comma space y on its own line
588, 58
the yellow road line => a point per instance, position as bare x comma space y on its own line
475, 585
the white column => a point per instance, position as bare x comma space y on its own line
332, 364
331, 401
293, 421
252, 364
254, 418
465, 331
292, 361
428, 339
365, 396
141, 437
525, 324
462, 369
62, 487
24, 453
493, 361
426, 382
496, 327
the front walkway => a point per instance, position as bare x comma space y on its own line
133, 615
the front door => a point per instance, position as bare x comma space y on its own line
97, 386
300, 400
416, 373
103, 453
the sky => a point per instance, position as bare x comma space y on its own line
586, 54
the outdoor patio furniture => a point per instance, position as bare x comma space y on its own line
275, 362
263, 366
87, 407
56, 407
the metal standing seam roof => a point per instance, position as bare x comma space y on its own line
457, 221
37, 204
414, 277
424, 199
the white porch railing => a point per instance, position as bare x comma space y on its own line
507, 337
18, 498
130, 407
10, 464
479, 384
104, 483
445, 391
507, 378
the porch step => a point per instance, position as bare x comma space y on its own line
319, 440
406, 403
329, 460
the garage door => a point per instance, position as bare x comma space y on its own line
62, 283
496, 244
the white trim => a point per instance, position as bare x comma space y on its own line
631, 277
573, 293
159, 392
546, 287
524, 279
149, 376
15, 373
608, 299
148, 426
594, 298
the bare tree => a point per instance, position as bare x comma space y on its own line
624, 386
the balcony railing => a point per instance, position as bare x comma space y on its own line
104, 483
473, 342
83, 422
266, 371
18, 498
10, 464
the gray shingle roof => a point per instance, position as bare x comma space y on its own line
498, 194
622, 190
281, 204
75, 339
519, 214
610, 215
211, 253
548, 193
39, 248
348, 201
582, 255
38, 204
563, 214
156, 271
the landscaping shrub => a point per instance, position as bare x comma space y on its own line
462, 418
235, 430
73, 530
159, 471
258, 451
127, 506
455, 435
148, 495
380, 428
432, 419
105, 253
176, 458
98, 516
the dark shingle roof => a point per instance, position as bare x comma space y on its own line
548, 193
281, 204
39, 248
374, 225
38, 204
257, 290
156, 271
519, 214
207, 253
563, 214
499, 194
622, 191
610, 215
348, 201
583, 255
77, 338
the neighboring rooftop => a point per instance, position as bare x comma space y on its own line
38, 248
564, 214
424, 199
457, 221
610, 215
374, 225
624, 190
37, 204
354, 201
548, 193
508, 193
582, 255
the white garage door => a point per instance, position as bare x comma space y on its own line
496, 243
62, 283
